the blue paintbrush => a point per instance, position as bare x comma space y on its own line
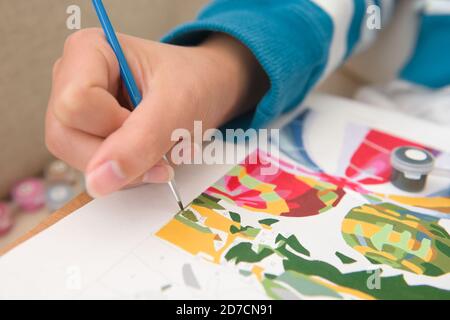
125, 71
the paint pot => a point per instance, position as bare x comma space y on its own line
59, 171
410, 168
58, 195
6, 221
29, 194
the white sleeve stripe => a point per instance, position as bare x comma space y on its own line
341, 12
387, 11
435, 6
368, 36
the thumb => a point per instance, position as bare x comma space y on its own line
134, 149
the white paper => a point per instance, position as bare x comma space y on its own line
107, 248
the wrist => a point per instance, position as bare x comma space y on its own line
241, 81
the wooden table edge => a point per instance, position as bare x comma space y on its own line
54, 218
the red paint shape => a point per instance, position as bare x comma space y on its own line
371, 163
301, 199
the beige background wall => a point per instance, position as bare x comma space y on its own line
32, 34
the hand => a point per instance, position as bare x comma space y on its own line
89, 124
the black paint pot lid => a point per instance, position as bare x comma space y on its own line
412, 160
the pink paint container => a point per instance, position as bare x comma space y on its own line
29, 194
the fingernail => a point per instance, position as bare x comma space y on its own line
104, 180
159, 174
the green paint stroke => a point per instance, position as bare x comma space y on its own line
235, 217
293, 243
306, 286
243, 252
192, 224
188, 214
344, 259
247, 231
268, 222
392, 288
430, 254
207, 201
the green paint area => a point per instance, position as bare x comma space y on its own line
306, 285
247, 231
207, 201
298, 269
344, 259
372, 198
268, 222
235, 217
192, 224
188, 214
403, 239
392, 288
243, 252
328, 197
297, 278
245, 273
293, 243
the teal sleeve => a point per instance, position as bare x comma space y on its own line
289, 38
295, 41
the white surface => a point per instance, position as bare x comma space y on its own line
106, 249
418, 101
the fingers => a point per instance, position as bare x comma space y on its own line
92, 110
85, 85
135, 148
73, 146
89, 61
160, 173
62, 142
88, 127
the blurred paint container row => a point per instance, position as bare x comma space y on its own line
33, 194
58, 195
29, 194
60, 184
61, 180
6, 220
60, 172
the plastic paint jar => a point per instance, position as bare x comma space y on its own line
58, 195
59, 171
29, 194
410, 168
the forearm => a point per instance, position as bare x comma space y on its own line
297, 43
243, 77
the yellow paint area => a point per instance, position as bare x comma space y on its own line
440, 204
258, 272
275, 208
313, 183
349, 225
196, 241
391, 216
215, 220
189, 239
411, 266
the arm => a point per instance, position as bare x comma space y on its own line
297, 42
268, 53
